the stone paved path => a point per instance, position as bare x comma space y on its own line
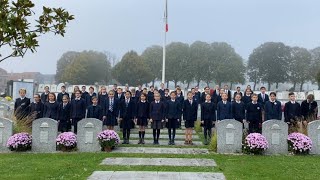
152, 150
165, 136
165, 142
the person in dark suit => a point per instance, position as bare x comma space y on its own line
51, 107
119, 95
161, 90
254, 114
115, 88
263, 97
208, 118
309, 108
78, 110
215, 94
111, 111
127, 114
44, 96
61, 94
197, 94
139, 91
239, 110
73, 95
102, 96
151, 94
190, 114
142, 116
84, 93
173, 116
166, 96
292, 109
204, 94
134, 97
224, 108
179, 98
157, 116
36, 108
238, 91
228, 92
91, 94
64, 114
246, 99
94, 110
273, 108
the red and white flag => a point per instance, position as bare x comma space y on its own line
166, 17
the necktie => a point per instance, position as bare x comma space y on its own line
111, 105
127, 102
190, 102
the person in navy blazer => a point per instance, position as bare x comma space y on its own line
292, 109
238, 109
228, 92
119, 95
190, 115
208, 118
111, 111
203, 94
51, 107
151, 94
197, 94
44, 96
102, 96
127, 114
157, 116
64, 114
173, 116
78, 110
36, 108
224, 108
94, 110
254, 114
91, 94
142, 116
21, 105
263, 97
246, 98
61, 94
273, 108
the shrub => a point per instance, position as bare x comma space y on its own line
19, 142
66, 141
299, 143
108, 138
255, 143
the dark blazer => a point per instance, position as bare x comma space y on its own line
161, 92
89, 98
235, 93
44, 97
246, 99
273, 110
138, 93
60, 96
197, 97
36, 109
115, 110
142, 110
208, 111
157, 111
78, 109
102, 99
84, 95
64, 112
254, 112
224, 111
291, 111
127, 111
21, 107
203, 97
119, 97
309, 109
165, 98
51, 110
94, 112
229, 95
263, 101
238, 110
180, 98
190, 112
173, 109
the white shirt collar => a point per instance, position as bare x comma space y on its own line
254, 102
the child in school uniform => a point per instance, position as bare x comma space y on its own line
44, 96
151, 94
61, 94
102, 96
36, 107
119, 95
157, 115
139, 91
208, 118
166, 96
190, 114
91, 94
94, 110
64, 114
78, 110
127, 113
73, 95
142, 116
309, 109
292, 109
246, 98
204, 94
21, 105
238, 109
224, 108
273, 108
254, 114
134, 97
173, 116
111, 111
84, 93
51, 107
263, 97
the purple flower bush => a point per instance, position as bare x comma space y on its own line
299, 143
19, 142
255, 143
67, 141
108, 138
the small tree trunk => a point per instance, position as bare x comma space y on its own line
167, 84
231, 86
188, 85
301, 86
269, 85
153, 82
294, 85
175, 83
198, 82
277, 85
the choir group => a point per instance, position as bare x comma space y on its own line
162, 108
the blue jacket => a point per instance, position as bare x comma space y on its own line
94, 112
224, 111
78, 109
208, 111
273, 111
190, 112
238, 110
173, 110
157, 111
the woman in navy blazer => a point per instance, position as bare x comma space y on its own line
51, 107
111, 111
190, 114
64, 114
142, 115
127, 114
77, 110
273, 108
208, 117
157, 115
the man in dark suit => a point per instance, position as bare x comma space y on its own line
263, 97
21, 105
228, 92
77, 110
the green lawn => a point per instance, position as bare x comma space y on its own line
81, 165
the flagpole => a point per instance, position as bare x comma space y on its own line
164, 45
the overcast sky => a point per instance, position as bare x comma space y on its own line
122, 25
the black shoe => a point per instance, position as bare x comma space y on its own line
157, 142
154, 142
205, 142
172, 142
124, 142
140, 141
128, 141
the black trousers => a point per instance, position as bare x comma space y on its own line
254, 127
75, 124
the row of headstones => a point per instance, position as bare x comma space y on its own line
230, 134
45, 131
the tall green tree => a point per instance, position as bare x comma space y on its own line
152, 57
85, 67
299, 70
132, 70
20, 28
315, 64
269, 62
